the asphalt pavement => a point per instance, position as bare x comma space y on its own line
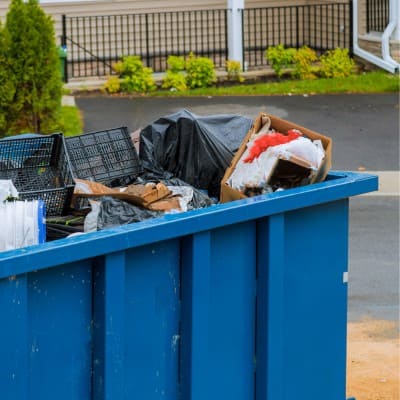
365, 132
364, 128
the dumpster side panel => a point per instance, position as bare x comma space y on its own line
218, 282
232, 311
108, 326
14, 338
316, 301
302, 304
60, 315
46, 334
151, 315
136, 332
270, 307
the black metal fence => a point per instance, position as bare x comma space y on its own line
377, 15
95, 43
321, 27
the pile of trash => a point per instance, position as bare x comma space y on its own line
53, 187
276, 155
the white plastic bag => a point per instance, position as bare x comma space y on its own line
312, 151
257, 172
90, 223
24, 224
186, 194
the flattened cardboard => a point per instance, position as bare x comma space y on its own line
140, 195
167, 204
230, 194
149, 193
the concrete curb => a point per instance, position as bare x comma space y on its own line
389, 183
69, 101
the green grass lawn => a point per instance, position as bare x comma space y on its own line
369, 82
71, 123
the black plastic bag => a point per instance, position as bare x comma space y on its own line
115, 212
195, 149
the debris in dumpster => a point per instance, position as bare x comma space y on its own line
61, 227
168, 204
195, 149
184, 194
154, 196
90, 224
131, 207
115, 212
275, 155
39, 169
150, 192
198, 198
273, 160
106, 156
22, 224
147, 196
186, 162
267, 140
262, 188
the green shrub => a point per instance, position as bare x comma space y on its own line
33, 59
113, 85
7, 86
200, 72
304, 59
234, 69
280, 57
135, 76
175, 77
336, 64
174, 81
176, 63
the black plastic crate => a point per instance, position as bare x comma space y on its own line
108, 157
39, 168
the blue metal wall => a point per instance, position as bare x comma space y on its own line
239, 301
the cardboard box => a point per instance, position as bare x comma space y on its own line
301, 166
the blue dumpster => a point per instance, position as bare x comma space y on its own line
239, 301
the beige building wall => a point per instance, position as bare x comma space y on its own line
112, 7
362, 17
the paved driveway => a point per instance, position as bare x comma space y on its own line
364, 128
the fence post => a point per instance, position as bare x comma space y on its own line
297, 28
64, 45
147, 41
351, 11
235, 30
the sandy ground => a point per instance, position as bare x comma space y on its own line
373, 360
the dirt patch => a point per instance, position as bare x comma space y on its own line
373, 360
